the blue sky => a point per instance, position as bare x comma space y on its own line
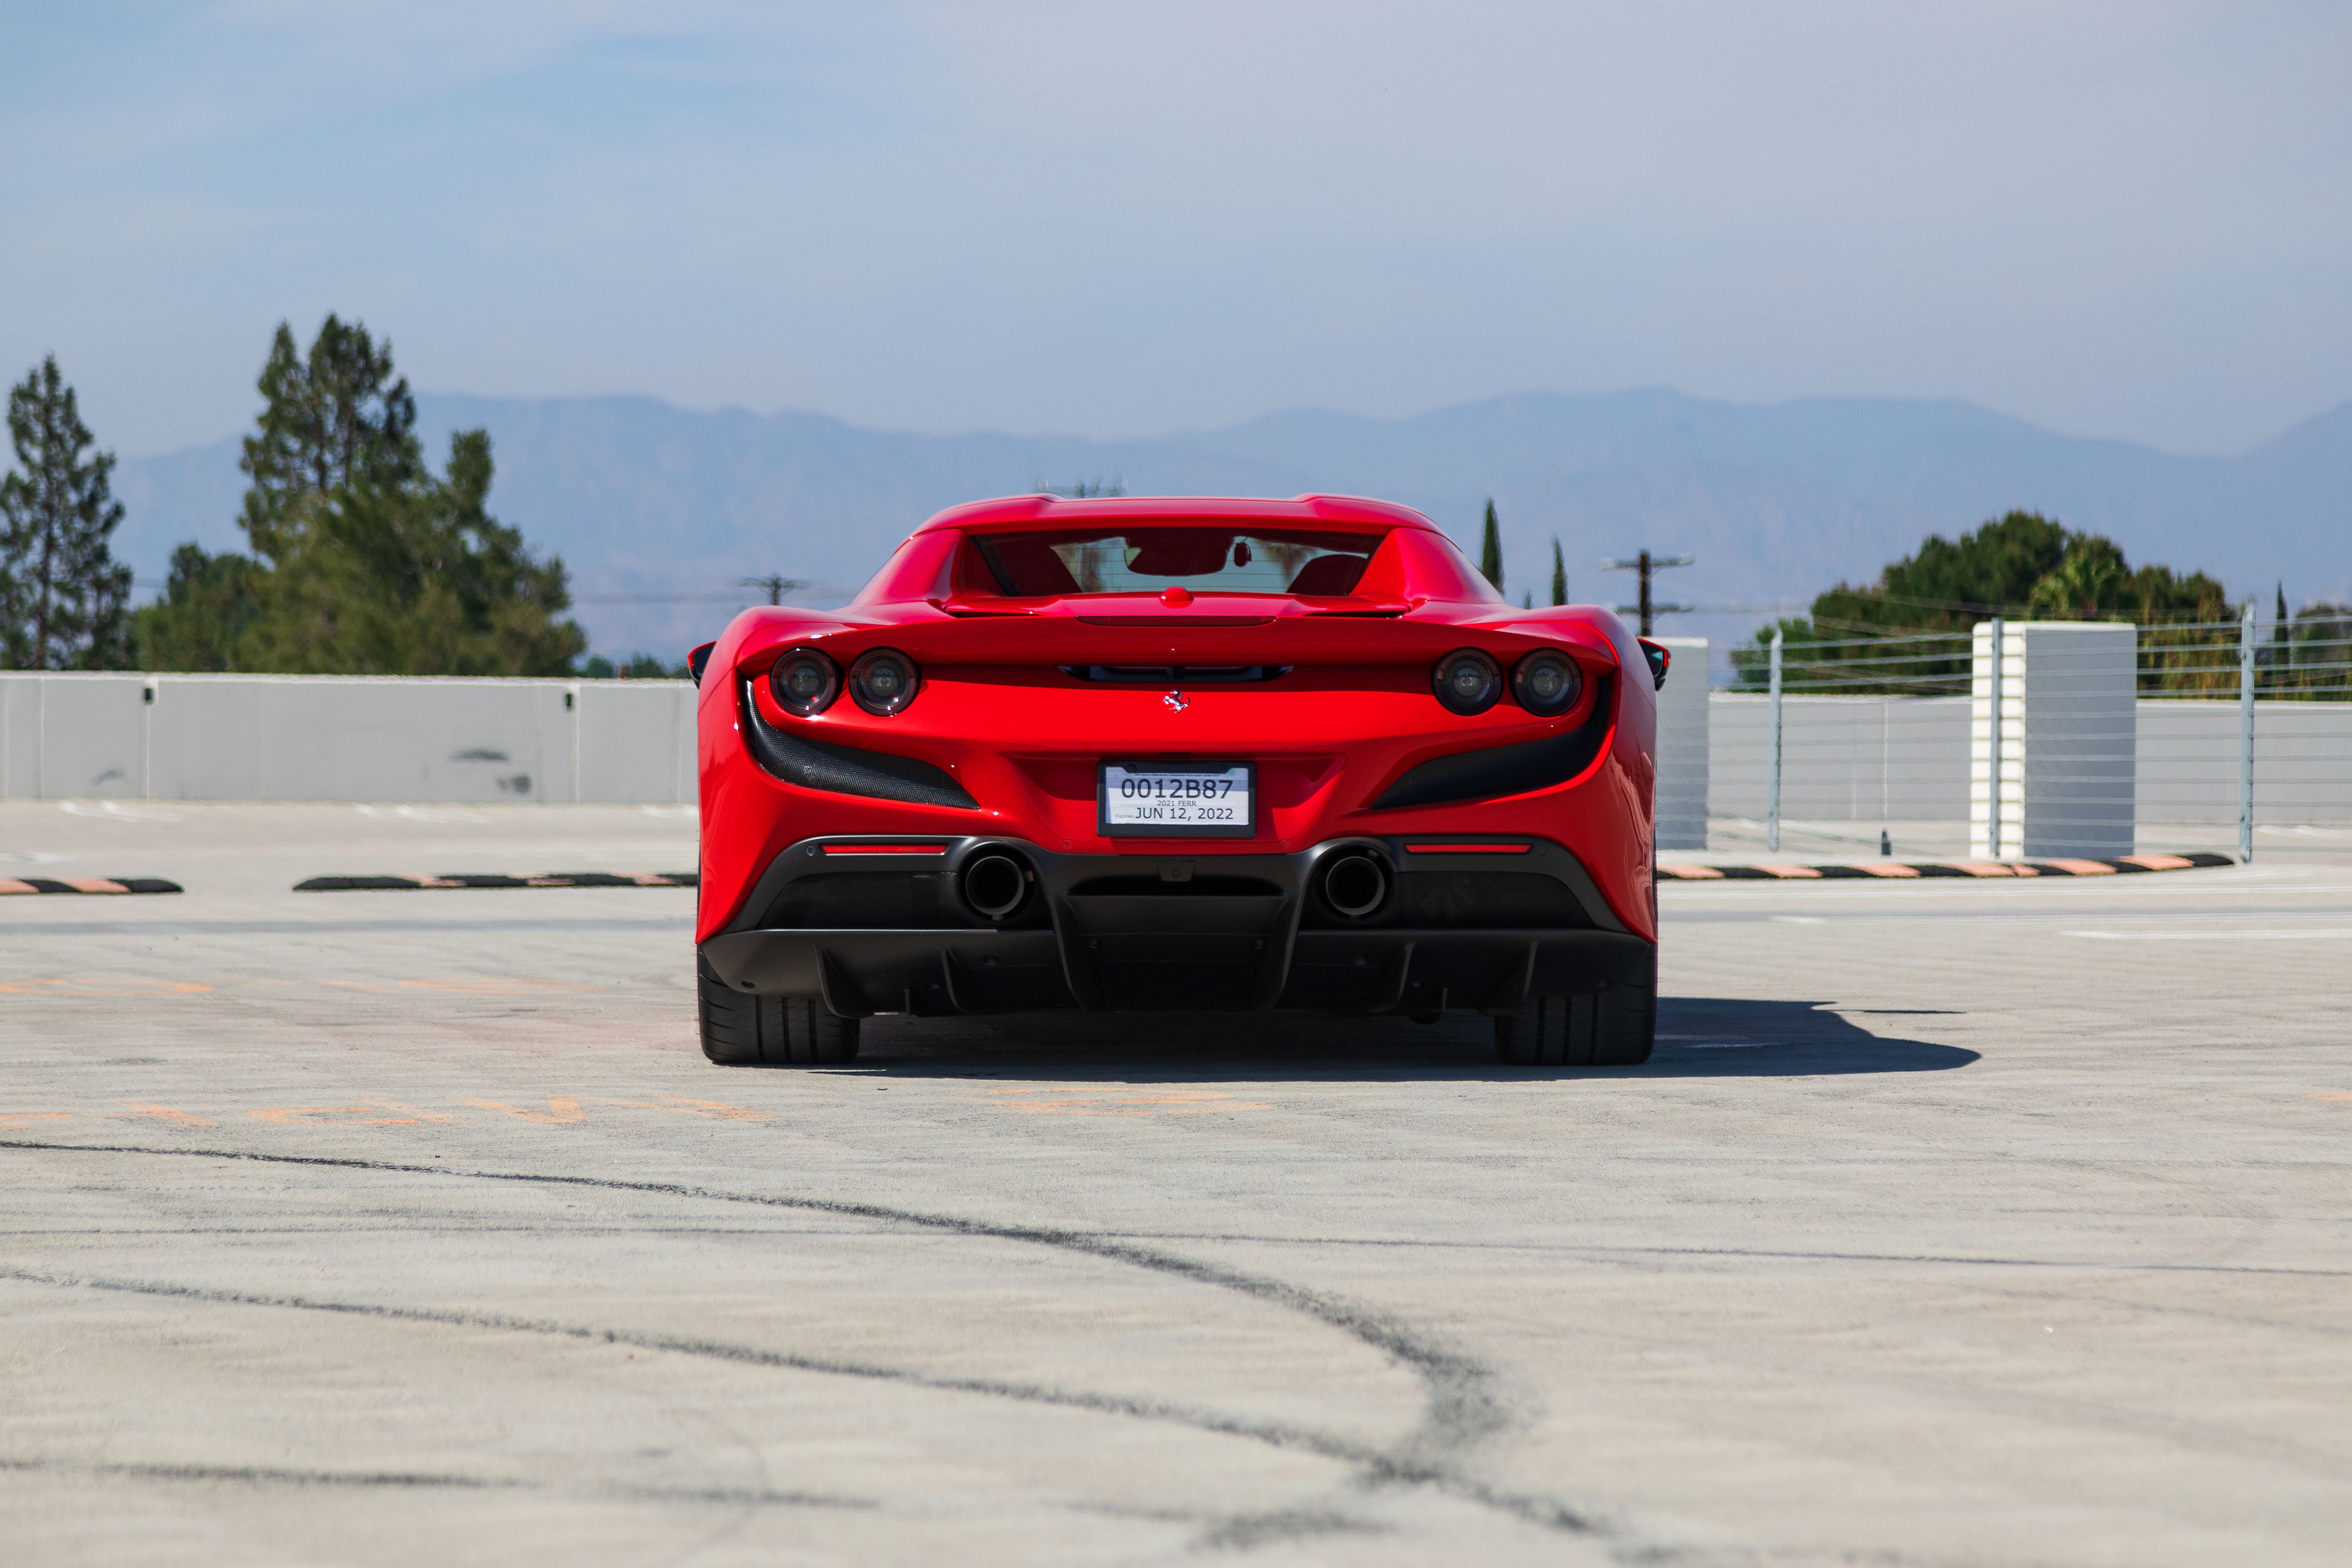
2116, 219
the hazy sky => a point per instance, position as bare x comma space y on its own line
2124, 219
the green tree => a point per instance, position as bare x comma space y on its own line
208, 602
364, 563
1559, 575
635, 667
2319, 654
335, 421
1490, 549
2019, 564
63, 597
416, 581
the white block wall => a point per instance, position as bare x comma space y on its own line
260, 737
2068, 739
1843, 759
1682, 746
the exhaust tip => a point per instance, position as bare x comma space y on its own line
996, 886
1354, 885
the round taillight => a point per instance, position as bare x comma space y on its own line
1467, 681
805, 682
1546, 682
884, 680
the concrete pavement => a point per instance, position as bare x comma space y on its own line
1951, 1224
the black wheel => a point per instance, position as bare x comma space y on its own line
1613, 1027
742, 1029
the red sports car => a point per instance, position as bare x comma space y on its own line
1178, 755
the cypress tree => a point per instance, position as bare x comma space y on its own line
63, 597
1490, 549
1559, 575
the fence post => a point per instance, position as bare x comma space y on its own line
1992, 774
1772, 777
2246, 734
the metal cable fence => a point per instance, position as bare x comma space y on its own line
2249, 730
2013, 739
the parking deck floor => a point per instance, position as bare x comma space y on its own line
1952, 1222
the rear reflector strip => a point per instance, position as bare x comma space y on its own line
1468, 848
885, 849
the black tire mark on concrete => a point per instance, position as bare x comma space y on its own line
263, 1475
1462, 1406
1592, 1249
1273, 1434
400, 1480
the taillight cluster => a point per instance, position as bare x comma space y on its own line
1546, 683
882, 681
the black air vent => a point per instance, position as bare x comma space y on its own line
1510, 770
1165, 674
845, 770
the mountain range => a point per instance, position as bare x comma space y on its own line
661, 513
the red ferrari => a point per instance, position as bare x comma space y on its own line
1178, 755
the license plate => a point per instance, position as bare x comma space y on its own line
1179, 800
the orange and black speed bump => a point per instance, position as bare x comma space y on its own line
1896, 871
551, 879
100, 885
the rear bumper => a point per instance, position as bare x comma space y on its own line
1137, 933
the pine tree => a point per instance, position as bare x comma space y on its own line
208, 601
1490, 549
63, 597
1559, 575
336, 421
364, 563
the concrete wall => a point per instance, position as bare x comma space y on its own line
241, 737
1906, 759
1683, 746
2188, 761
1847, 759
258, 737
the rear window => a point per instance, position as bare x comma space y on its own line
1147, 559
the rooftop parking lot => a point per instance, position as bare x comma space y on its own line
1951, 1223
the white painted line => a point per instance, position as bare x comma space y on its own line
2210, 935
1734, 1045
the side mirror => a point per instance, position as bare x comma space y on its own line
1660, 659
701, 656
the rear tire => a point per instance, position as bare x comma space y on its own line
740, 1029
1614, 1027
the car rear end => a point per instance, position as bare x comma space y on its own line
1156, 755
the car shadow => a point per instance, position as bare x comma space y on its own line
1699, 1037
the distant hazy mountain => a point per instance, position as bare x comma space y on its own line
643, 499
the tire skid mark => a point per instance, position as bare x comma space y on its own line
264, 1475
402, 1481
1272, 1433
1605, 1250
1462, 1406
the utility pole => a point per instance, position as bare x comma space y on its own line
777, 588
1646, 563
